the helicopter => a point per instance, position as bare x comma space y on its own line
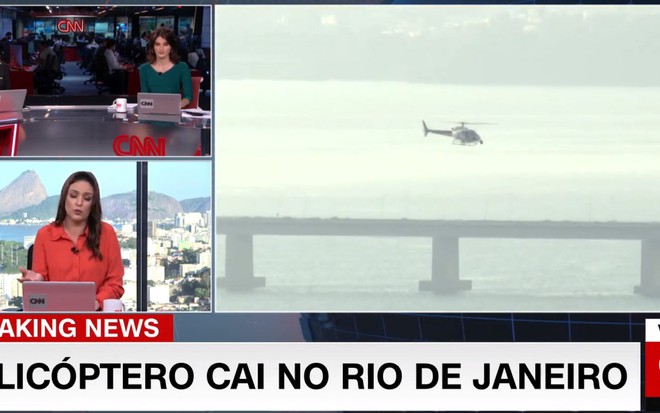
461, 134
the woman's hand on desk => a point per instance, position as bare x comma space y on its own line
29, 275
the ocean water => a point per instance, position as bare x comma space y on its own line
17, 232
356, 150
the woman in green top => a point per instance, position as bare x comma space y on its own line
163, 73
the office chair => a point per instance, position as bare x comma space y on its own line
30, 251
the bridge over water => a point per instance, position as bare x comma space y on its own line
445, 235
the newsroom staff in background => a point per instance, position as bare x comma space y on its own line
46, 58
163, 72
47, 70
78, 246
5, 42
4, 76
116, 71
4, 61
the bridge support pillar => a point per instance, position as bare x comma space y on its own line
239, 264
650, 270
444, 268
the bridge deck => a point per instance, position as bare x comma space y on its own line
442, 228
445, 235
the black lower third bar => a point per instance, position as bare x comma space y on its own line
652, 404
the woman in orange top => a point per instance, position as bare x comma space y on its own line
78, 246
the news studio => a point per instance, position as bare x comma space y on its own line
330, 206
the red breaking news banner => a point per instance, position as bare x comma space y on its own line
652, 367
652, 376
87, 328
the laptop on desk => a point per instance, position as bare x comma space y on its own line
12, 100
59, 296
159, 118
159, 104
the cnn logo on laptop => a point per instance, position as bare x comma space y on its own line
37, 301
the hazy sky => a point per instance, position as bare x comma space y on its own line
181, 180
572, 45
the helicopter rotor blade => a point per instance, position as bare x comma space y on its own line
475, 123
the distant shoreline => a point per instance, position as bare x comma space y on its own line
34, 224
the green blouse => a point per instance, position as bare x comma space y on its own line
175, 80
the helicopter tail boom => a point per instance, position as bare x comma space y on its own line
436, 131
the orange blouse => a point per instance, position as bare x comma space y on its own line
56, 259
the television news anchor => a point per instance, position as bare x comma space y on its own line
78, 246
163, 72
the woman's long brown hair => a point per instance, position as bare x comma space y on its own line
95, 213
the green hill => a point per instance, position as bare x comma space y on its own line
45, 210
118, 206
202, 204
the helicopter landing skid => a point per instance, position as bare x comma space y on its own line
464, 143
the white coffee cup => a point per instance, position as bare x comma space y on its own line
112, 305
119, 105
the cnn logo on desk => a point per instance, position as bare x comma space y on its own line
131, 145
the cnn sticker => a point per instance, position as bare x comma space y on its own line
146, 103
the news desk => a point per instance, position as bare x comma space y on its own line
90, 131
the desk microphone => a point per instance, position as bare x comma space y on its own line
74, 250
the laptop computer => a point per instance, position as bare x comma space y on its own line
12, 100
159, 104
59, 296
159, 118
